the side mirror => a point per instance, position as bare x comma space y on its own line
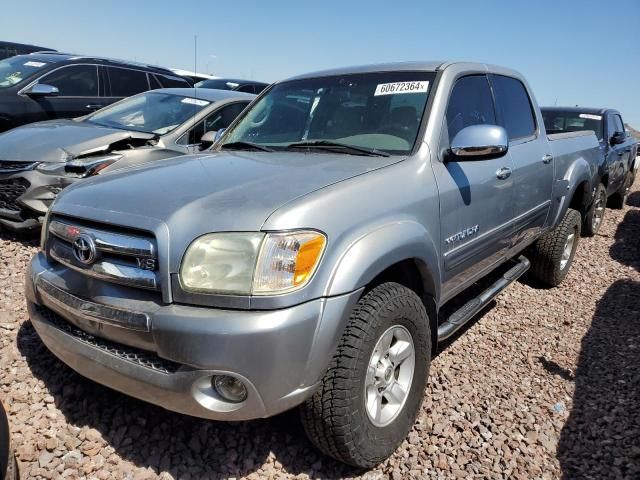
618, 138
43, 90
208, 139
479, 142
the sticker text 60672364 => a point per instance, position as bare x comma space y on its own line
401, 87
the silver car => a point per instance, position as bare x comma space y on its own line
38, 160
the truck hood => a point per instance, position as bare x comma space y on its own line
197, 194
61, 140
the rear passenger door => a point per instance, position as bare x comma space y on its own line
79, 88
124, 82
533, 170
475, 202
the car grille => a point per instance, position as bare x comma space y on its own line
10, 190
11, 167
134, 355
119, 255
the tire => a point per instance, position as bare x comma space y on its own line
595, 216
336, 418
619, 199
548, 266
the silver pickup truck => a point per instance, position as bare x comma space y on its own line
320, 254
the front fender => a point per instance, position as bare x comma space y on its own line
381, 248
580, 174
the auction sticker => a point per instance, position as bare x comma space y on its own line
195, 101
400, 88
589, 116
35, 64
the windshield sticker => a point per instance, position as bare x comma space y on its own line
35, 64
400, 88
195, 101
589, 116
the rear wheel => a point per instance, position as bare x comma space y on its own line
371, 395
595, 215
552, 255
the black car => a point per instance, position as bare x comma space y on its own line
8, 467
45, 86
247, 86
10, 49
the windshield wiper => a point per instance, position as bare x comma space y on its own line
329, 145
246, 146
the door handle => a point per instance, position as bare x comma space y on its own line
547, 158
504, 172
94, 106
620, 153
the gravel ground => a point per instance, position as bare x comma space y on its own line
545, 384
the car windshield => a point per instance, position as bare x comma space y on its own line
380, 112
571, 121
149, 112
219, 84
15, 69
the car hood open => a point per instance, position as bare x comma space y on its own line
193, 195
61, 140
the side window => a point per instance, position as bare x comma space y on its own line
125, 82
470, 103
74, 80
514, 107
170, 82
619, 124
259, 88
219, 119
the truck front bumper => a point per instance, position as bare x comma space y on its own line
279, 355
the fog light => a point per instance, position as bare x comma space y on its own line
230, 388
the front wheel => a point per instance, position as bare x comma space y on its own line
595, 216
371, 395
552, 255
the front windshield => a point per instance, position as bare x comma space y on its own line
377, 111
571, 121
218, 84
15, 69
150, 112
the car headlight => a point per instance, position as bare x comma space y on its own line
83, 167
251, 263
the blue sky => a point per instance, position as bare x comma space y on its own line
572, 52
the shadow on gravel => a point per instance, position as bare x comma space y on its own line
634, 199
601, 438
28, 239
151, 437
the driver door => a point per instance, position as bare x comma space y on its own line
475, 200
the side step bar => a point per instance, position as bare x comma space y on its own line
465, 313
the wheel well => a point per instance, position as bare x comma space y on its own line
605, 180
412, 274
580, 199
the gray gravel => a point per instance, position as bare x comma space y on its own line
545, 384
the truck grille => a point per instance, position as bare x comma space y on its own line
10, 190
12, 167
105, 252
134, 355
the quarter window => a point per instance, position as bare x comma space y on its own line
470, 104
74, 80
125, 82
514, 107
169, 82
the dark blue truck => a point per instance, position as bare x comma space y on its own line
619, 149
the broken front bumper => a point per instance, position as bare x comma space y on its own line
26, 194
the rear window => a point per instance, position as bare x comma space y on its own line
514, 107
556, 121
172, 82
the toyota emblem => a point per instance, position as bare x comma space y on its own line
84, 249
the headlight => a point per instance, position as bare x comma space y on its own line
84, 167
251, 263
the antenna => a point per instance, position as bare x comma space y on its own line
195, 89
